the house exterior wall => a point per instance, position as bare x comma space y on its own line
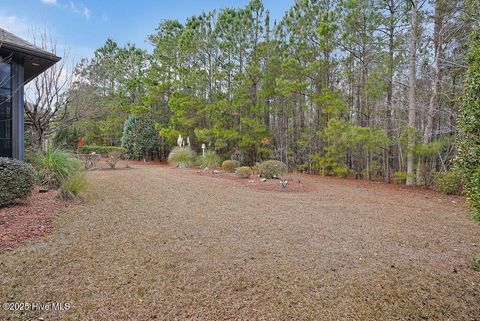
25, 61
12, 124
18, 130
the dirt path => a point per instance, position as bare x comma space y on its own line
156, 243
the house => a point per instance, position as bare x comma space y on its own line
20, 62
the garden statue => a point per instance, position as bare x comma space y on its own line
283, 182
203, 149
180, 141
188, 141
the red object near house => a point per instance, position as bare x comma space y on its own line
80, 143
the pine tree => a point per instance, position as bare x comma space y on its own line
127, 137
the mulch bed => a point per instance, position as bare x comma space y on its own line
28, 219
295, 183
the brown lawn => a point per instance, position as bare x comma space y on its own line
156, 243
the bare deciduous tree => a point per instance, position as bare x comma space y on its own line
47, 96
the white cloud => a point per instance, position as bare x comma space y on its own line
49, 2
28, 28
86, 12
79, 9
8, 22
15, 25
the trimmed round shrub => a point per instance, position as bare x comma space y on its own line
271, 169
17, 180
230, 165
243, 172
449, 182
210, 159
182, 157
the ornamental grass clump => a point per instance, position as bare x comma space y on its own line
54, 166
243, 172
230, 165
57, 169
73, 186
210, 160
182, 157
17, 180
271, 169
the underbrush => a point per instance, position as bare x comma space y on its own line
449, 182
400, 177
99, 149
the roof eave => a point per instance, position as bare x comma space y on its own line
39, 54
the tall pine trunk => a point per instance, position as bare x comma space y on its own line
411, 94
391, 71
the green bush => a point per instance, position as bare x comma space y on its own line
303, 167
341, 171
55, 166
473, 193
210, 159
468, 139
271, 168
243, 172
73, 185
17, 180
230, 165
449, 182
182, 157
99, 149
399, 177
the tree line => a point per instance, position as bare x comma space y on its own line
370, 88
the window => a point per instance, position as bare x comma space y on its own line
5, 110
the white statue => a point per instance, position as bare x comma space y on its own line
188, 141
203, 149
180, 141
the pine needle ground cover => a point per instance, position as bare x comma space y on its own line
156, 243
